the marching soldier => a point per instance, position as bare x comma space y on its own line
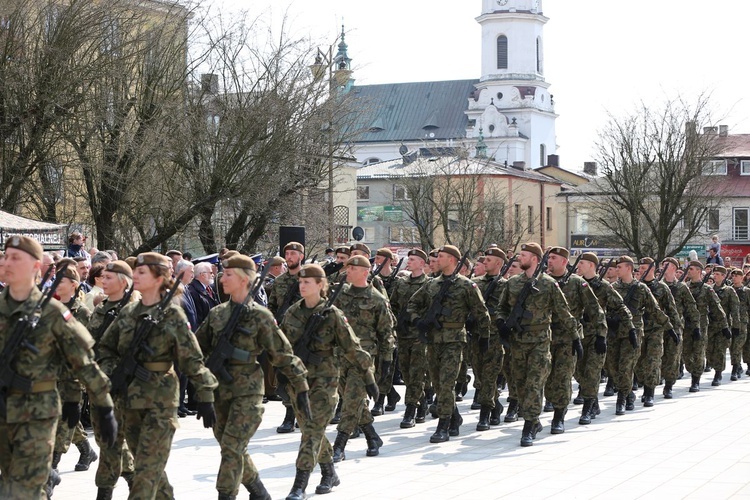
739, 340
341, 254
364, 251
720, 338
385, 258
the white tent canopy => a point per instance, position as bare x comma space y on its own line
51, 236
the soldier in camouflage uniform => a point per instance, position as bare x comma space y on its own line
150, 406
719, 338
323, 378
512, 414
239, 397
739, 340
369, 316
567, 348
383, 260
625, 349
708, 305
29, 421
412, 353
688, 321
589, 371
342, 255
117, 460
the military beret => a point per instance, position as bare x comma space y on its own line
120, 266
419, 253
173, 252
131, 261
385, 252
361, 247
71, 273
25, 244
646, 260
720, 269
311, 271
450, 250
359, 261
344, 250
532, 248
561, 251
494, 251
736, 272
625, 259
480, 259
433, 252
671, 260
65, 261
276, 261
151, 259
239, 262
591, 257
293, 245
696, 263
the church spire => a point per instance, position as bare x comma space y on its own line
343, 61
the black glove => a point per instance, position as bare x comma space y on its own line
735, 332
502, 328
71, 413
484, 344
423, 326
373, 392
403, 323
674, 336
385, 371
108, 426
577, 348
633, 335
727, 333
207, 413
600, 344
696, 334
303, 403
613, 323
471, 324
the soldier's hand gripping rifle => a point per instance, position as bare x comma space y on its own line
430, 320
128, 366
571, 270
519, 312
388, 281
224, 350
18, 339
292, 293
110, 316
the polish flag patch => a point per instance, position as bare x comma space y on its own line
67, 315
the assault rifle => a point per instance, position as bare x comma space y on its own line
604, 268
684, 274
128, 367
110, 316
332, 267
388, 281
436, 308
571, 270
513, 322
302, 346
224, 350
46, 276
18, 339
292, 293
376, 272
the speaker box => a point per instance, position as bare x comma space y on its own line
290, 233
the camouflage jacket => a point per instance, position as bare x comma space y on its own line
278, 292
369, 315
334, 332
171, 341
256, 331
583, 306
463, 298
664, 298
99, 315
491, 302
403, 289
543, 307
61, 341
641, 303
708, 305
80, 311
613, 306
743, 295
375, 281
687, 312
69, 386
731, 305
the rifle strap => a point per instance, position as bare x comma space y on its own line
38, 386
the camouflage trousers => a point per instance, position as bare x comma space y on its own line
472, 357
114, 461
623, 357
149, 434
412, 356
746, 352
463, 371
670, 361
716, 350
65, 435
738, 345
559, 386
445, 361
386, 386
648, 367
354, 405
237, 419
314, 446
26, 457
530, 364
694, 352
488, 368
589, 368
512, 389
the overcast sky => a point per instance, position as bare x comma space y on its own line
600, 55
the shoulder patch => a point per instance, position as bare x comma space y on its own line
67, 315
473, 285
584, 284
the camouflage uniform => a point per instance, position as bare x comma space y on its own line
738, 341
27, 430
150, 407
708, 305
716, 348
323, 379
688, 320
369, 316
488, 365
648, 367
239, 402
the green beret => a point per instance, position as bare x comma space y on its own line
26, 244
359, 261
496, 252
591, 257
293, 245
671, 260
312, 271
344, 250
119, 266
561, 251
276, 261
736, 272
532, 248
152, 259
625, 259
71, 273
386, 252
720, 269
361, 247
433, 252
646, 260
239, 262
696, 263
450, 250
131, 262
418, 252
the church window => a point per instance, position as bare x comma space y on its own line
538, 55
502, 52
542, 155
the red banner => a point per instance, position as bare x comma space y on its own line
735, 252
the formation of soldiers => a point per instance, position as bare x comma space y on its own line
329, 338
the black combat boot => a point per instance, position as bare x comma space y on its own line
484, 419
620, 405
258, 491
52, 480
630, 401
373, 440
441, 433
695, 386
586, 411
648, 396
421, 412
408, 421
512, 414
529, 432
496, 412
681, 372
707, 368
104, 494
300, 483
548, 407
595, 410
393, 398
287, 425
128, 477
378, 409
459, 387
609, 389
339, 446
668, 390
87, 455
475, 404
578, 400
433, 409
455, 424
226, 496
337, 416
56, 456
716, 382
328, 480
736, 373
558, 421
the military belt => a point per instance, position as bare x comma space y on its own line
535, 328
453, 325
40, 386
158, 366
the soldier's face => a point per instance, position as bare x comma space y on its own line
66, 289
624, 271
737, 279
144, 280
526, 259
585, 268
694, 273
20, 267
310, 288
514, 268
379, 259
111, 283
433, 264
446, 262
415, 263
293, 258
357, 274
492, 264
341, 258
669, 273
719, 277
233, 282
557, 264
641, 270
480, 268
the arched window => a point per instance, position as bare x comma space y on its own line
542, 155
539, 55
502, 52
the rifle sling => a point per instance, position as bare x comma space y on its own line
36, 387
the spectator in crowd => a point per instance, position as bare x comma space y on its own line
715, 245
714, 258
201, 292
83, 264
75, 246
92, 298
176, 257
186, 268
48, 263
101, 258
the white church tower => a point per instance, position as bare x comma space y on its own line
512, 109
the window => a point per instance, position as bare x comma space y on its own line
400, 193
582, 221
549, 218
363, 193
715, 167
740, 224
538, 54
713, 219
542, 155
530, 220
403, 235
370, 161
502, 52
369, 235
745, 167
517, 215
